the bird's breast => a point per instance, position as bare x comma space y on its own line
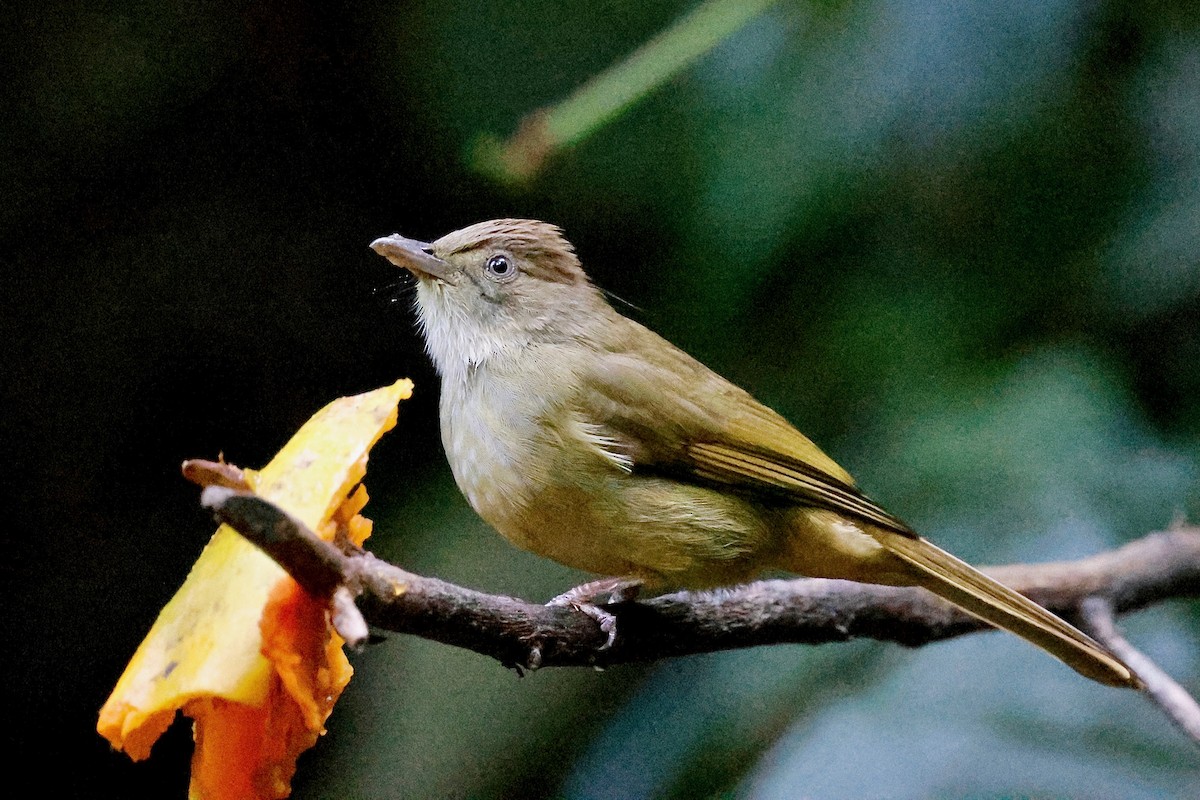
518, 458
486, 446
554, 481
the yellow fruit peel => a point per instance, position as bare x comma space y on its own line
240, 648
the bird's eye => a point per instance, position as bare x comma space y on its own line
500, 268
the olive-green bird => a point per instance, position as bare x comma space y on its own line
584, 437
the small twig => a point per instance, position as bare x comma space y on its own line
215, 473
348, 620
1161, 688
315, 564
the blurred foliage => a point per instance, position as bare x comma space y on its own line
609, 93
958, 244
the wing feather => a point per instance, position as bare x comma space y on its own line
672, 414
777, 473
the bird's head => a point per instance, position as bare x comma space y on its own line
495, 286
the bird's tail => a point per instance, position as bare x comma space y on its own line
993, 602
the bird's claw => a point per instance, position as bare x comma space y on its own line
606, 621
583, 599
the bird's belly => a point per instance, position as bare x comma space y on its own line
581, 509
666, 533
553, 517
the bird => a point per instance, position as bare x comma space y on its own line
584, 437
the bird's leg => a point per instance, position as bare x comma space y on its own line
588, 598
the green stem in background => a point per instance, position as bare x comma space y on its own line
543, 132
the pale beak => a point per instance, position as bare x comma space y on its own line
416, 257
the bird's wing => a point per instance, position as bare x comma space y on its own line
673, 415
770, 471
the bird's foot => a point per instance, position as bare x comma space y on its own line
589, 597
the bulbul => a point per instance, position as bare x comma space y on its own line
582, 436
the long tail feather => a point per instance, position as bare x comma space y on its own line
993, 602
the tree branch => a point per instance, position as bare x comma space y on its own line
528, 635
1179, 706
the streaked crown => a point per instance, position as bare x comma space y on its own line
547, 253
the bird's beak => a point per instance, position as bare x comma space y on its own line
416, 257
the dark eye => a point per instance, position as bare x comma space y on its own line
500, 267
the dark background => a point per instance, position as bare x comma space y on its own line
959, 248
